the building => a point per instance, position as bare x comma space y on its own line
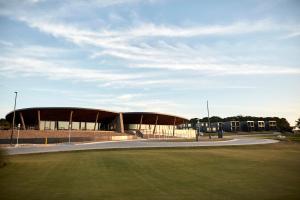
204, 127
217, 126
82, 119
259, 125
231, 126
271, 125
247, 126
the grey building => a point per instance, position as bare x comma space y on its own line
247, 126
259, 125
217, 126
271, 125
231, 126
204, 127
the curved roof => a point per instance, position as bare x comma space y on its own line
150, 118
30, 116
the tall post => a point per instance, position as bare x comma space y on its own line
96, 121
39, 119
70, 125
155, 124
209, 128
141, 121
174, 126
22, 121
70, 121
70, 128
14, 116
184, 122
18, 135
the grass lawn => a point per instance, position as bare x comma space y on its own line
250, 172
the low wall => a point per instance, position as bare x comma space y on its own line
178, 133
185, 133
46, 140
122, 137
41, 137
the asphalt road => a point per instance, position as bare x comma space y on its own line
131, 144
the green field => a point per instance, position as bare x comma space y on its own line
252, 172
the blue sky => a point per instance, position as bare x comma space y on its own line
154, 55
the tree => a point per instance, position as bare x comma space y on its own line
4, 125
194, 121
298, 123
283, 125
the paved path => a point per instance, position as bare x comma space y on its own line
131, 144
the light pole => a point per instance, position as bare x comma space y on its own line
14, 116
19, 125
209, 127
70, 133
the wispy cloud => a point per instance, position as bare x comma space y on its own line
116, 102
122, 44
53, 63
150, 29
34, 67
5, 43
292, 35
131, 102
147, 45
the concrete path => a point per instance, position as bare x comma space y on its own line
131, 144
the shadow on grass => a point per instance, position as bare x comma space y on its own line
3, 160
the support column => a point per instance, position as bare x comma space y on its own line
155, 124
39, 119
96, 121
185, 126
22, 120
174, 126
70, 121
141, 121
120, 124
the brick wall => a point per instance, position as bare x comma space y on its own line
5, 134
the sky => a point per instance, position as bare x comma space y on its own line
168, 56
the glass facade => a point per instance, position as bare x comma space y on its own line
163, 130
64, 125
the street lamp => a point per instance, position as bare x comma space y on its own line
209, 127
70, 127
14, 116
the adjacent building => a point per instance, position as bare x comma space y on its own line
231, 126
271, 125
247, 126
259, 125
217, 126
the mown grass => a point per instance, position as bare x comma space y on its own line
250, 172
